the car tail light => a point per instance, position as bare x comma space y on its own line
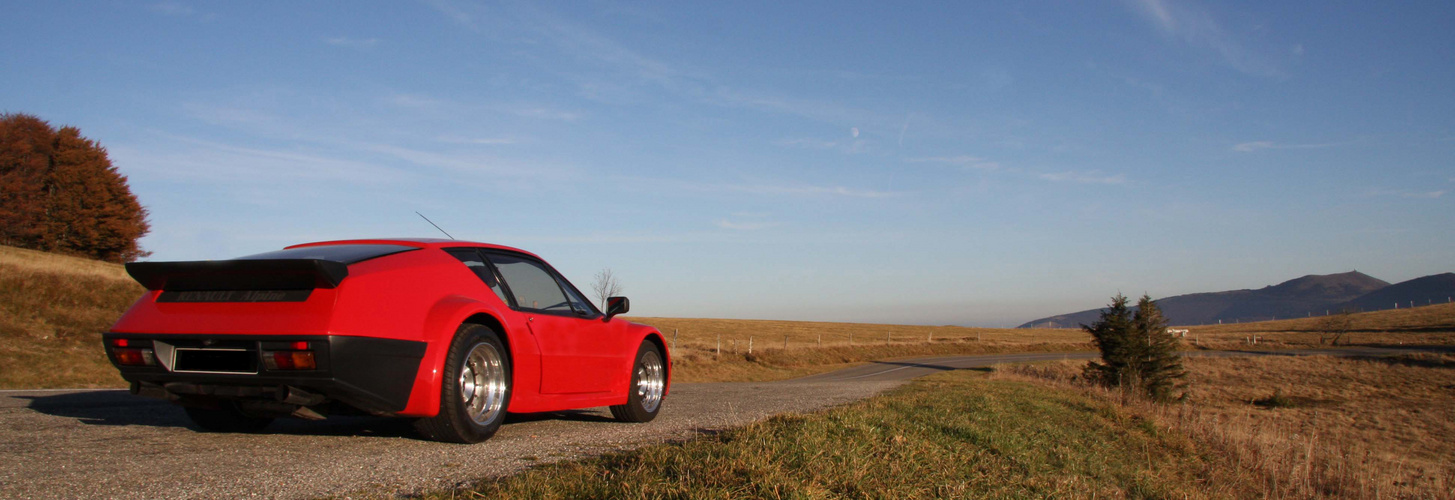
132, 356
290, 360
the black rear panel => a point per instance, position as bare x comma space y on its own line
234, 295
214, 275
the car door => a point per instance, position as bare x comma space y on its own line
578, 351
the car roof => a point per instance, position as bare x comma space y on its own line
415, 242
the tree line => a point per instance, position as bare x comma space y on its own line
60, 193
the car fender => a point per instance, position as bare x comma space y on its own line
441, 323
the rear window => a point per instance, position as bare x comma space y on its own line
343, 254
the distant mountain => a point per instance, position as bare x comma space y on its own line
1312, 294
1437, 288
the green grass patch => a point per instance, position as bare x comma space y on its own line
952, 435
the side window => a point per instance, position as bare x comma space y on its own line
476, 263
532, 285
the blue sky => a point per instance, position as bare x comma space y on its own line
974, 163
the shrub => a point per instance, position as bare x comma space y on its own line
1136, 350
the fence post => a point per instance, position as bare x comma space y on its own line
820, 340
674, 339
735, 346
719, 345
930, 338
785, 342
750, 344
887, 337
851, 338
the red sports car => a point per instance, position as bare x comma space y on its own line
452, 333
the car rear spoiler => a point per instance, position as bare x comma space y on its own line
243, 274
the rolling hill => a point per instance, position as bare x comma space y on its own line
1296, 298
1432, 289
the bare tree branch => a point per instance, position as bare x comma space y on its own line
605, 285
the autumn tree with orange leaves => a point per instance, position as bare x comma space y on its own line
60, 193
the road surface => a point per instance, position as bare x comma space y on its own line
110, 444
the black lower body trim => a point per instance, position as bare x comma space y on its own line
371, 374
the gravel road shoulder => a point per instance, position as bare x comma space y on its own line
110, 444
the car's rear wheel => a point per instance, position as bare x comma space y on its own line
226, 417
648, 386
475, 392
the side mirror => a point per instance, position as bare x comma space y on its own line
617, 305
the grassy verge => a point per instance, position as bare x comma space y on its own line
764, 365
1310, 427
952, 435
52, 312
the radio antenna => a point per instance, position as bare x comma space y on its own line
436, 226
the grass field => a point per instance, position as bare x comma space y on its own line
952, 435
1426, 325
1311, 427
717, 350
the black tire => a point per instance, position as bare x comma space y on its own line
648, 386
469, 411
226, 418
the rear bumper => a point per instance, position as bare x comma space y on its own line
372, 374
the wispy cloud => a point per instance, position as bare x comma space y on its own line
547, 114
818, 110
745, 226
171, 8
192, 160
614, 72
1086, 177
455, 12
1249, 147
471, 164
1187, 21
1419, 195
484, 141
771, 189
352, 43
962, 161
808, 143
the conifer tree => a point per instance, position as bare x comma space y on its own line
62, 194
1136, 350
1161, 366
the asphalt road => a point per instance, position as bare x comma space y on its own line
110, 444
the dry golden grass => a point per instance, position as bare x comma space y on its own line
814, 347
1427, 325
53, 309
50, 263
1314, 427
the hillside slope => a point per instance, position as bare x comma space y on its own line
1300, 297
1427, 290
53, 309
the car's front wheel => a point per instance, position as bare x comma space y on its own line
475, 392
648, 386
